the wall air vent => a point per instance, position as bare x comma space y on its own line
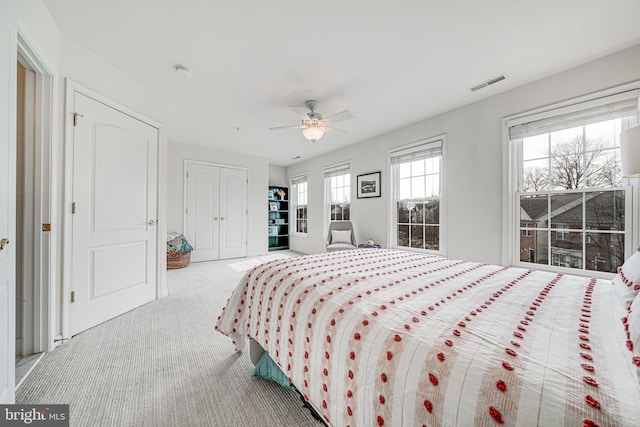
488, 82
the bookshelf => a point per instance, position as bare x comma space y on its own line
278, 206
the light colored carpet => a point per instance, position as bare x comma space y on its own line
164, 365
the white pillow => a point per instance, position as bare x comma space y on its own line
627, 281
340, 236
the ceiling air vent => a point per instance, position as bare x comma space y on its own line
488, 82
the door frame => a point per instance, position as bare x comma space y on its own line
185, 164
71, 87
43, 265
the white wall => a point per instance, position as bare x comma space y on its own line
278, 176
473, 163
257, 192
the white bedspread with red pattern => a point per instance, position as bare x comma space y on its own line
395, 338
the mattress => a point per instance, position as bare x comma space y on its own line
396, 338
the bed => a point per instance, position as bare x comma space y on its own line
396, 338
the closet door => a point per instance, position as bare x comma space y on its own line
233, 213
203, 211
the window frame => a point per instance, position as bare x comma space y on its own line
512, 172
346, 166
294, 182
392, 213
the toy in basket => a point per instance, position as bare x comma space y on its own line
178, 251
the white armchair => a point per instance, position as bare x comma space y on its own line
341, 236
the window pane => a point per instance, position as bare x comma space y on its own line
566, 251
417, 214
562, 139
605, 210
605, 251
403, 235
405, 188
533, 209
432, 165
417, 187
432, 212
417, 168
405, 170
417, 236
403, 212
602, 134
535, 147
428, 188
535, 176
567, 172
603, 168
566, 211
538, 249
346, 212
432, 238
435, 192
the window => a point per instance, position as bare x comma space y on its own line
299, 203
416, 200
337, 188
570, 204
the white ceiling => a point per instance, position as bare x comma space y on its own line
392, 63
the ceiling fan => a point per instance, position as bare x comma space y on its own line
313, 124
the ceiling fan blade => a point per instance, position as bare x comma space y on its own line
286, 127
339, 130
338, 117
300, 112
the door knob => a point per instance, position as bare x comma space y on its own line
4, 242
215, 218
221, 218
152, 222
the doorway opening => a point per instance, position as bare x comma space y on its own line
34, 291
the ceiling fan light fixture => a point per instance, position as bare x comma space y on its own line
314, 133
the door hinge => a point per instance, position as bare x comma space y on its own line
75, 118
73, 207
73, 296
46, 227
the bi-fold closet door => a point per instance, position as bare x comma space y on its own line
216, 211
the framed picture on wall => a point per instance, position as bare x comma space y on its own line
368, 185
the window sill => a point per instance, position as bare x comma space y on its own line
569, 271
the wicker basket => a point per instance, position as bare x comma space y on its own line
178, 260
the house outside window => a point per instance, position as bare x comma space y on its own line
337, 187
299, 204
417, 196
571, 207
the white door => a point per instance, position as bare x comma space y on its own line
216, 217
7, 206
233, 213
115, 204
203, 211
